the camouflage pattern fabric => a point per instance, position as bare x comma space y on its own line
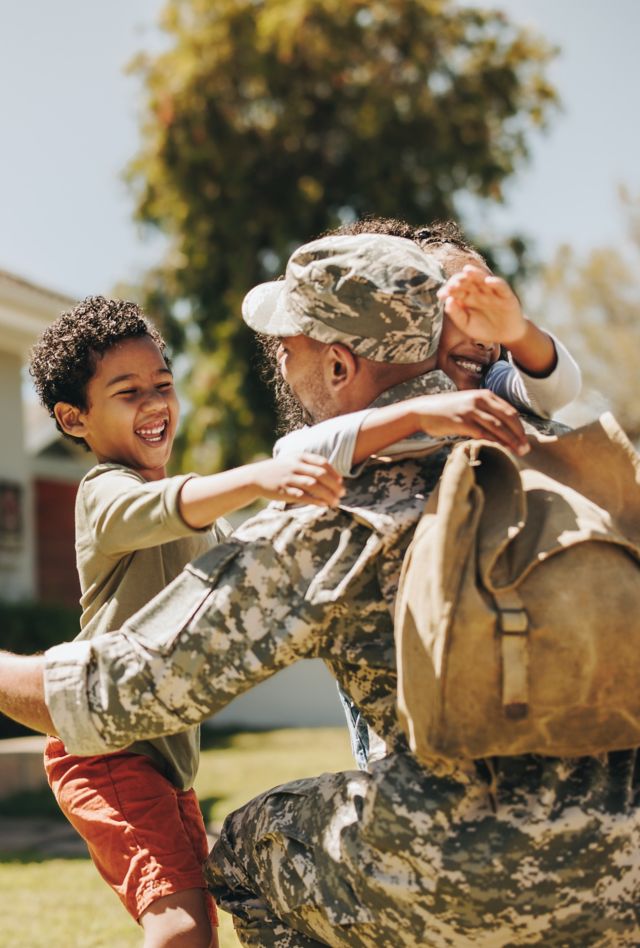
374, 293
401, 857
516, 851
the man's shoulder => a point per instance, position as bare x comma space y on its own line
429, 383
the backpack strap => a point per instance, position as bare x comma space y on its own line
513, 623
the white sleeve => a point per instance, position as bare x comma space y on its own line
334, 439
543, 396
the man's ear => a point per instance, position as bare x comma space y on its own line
343, 366
71, 419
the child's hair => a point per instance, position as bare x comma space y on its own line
445, 241
64, 359
390, 226
441, 239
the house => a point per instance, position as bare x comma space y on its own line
39, 470
39, 474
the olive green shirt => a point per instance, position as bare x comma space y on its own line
131, 542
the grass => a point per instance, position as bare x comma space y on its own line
63, 903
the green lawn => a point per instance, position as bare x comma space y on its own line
63, 903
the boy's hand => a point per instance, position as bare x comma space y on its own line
476, 413
483, 306
304, 479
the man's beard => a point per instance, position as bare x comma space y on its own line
290, 413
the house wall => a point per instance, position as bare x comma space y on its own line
17, 575
25, 310
303, 695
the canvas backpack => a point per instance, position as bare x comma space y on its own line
518, 612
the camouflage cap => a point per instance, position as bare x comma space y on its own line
374, 293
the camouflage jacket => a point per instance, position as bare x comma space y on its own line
517, 848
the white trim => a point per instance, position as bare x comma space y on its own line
26, 309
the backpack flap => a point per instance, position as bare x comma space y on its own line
518, 630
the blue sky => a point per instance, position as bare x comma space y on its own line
69, 124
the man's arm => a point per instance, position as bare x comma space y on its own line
22, 691
233, 618
236, 616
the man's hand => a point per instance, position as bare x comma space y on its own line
476, 413
483, 306
307, 479
22, 691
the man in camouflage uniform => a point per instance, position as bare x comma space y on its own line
518, 851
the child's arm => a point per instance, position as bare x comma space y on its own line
477, 413
124, 513
485, 308
307, 479
350, 439
334, 439
543, 395
542, 376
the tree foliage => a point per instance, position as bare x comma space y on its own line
269, 121
594, 304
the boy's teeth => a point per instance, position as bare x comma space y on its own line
152, 434
470, 366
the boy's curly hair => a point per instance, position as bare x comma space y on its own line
64, 359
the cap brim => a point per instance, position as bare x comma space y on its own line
263, 309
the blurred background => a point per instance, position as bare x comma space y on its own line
176, 151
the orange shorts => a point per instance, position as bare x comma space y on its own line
146, 837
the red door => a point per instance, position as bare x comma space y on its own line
55, 535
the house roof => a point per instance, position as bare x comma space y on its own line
26, 309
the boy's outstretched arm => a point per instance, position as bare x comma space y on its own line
306, 479
485, 308
22, 691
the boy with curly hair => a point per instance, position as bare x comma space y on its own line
102, 373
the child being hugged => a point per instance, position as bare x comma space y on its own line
538, 377
500, 361
102, 372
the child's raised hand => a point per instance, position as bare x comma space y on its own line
476, 413
302, 479
483, 306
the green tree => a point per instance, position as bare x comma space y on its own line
269, 121
594, 304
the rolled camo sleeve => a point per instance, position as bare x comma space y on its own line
65, 690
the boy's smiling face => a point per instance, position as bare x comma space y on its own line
463, 359
460, 357
132, 409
